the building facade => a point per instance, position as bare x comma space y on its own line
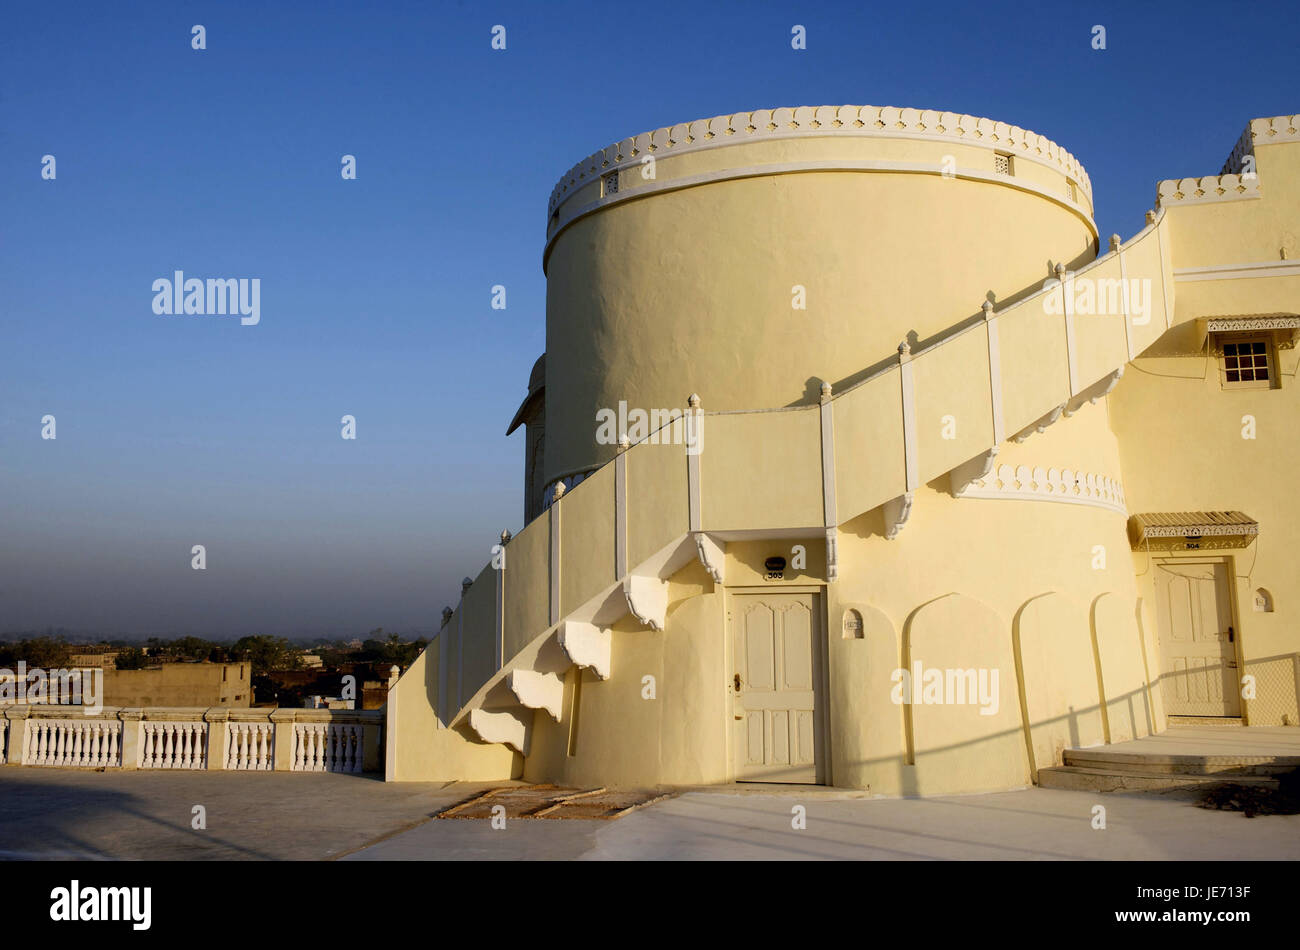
860, 458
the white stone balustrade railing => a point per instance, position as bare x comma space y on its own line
73, 743
193, 739
173, 745
250, 746
327, 747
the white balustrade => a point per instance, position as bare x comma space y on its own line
73, 743
173, 745
327, 747
250, 746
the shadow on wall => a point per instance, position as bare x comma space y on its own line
1080, 679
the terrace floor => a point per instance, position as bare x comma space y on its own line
49, 813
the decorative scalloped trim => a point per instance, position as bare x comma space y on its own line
1051, 484
1266, 131
1187, 191
884, 121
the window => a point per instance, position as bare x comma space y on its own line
1002, 163
610, 184
1248, 363
1070, 191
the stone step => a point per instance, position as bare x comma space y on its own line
1222, 766
1075, 778
1206, 721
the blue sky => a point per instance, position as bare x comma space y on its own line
175, 431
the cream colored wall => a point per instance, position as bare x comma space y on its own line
691, 290
1181, 441
768, 463
587, 539
1180, 432
621, 737
527, 584
420, 748
1005, 559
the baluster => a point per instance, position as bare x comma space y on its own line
356, 748
232, 733
299, 747
320, 748
112, 744
183, 740
334, 748
59, 739
92, 744
259, 759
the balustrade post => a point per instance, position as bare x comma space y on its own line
283, 747
15, 739
218, 721
132, 735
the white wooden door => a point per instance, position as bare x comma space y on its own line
777, 660
1197, 651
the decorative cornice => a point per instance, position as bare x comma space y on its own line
1277, 321
1266, 131
1052, 484
1189, 191
878, 121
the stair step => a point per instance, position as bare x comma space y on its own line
1222, 766
1206, 721
1075, 778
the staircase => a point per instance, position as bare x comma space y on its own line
1104, 770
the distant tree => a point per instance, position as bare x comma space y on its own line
266, 653
44, 652
132, 658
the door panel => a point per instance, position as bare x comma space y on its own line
778, 666
1198, 657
